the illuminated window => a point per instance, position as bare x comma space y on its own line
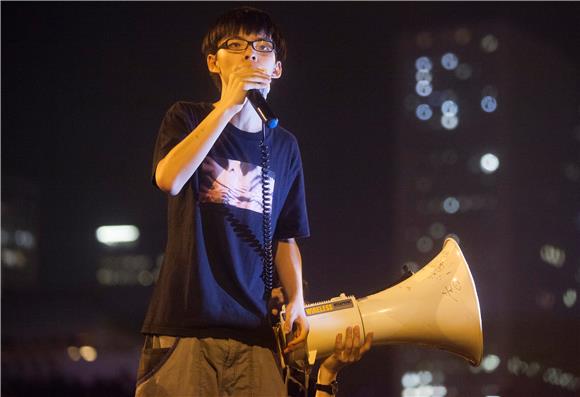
449, 61
489, 43
449, 122
423, 64
489, 163
423, 88
424, 112
488, 104
119, 234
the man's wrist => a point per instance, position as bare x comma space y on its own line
325, 376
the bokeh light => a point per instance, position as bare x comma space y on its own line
489, 163
424, 244
449, 61
423, 75
423, 88
423, 64
463, 71
117, 234
424, 112
462, 36
449, 108
570, 297
451, 205
488, 104
88, 353
449, 122
489, 43
553, 255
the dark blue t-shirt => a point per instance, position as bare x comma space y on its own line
209, 284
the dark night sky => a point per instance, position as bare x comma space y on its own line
85, 87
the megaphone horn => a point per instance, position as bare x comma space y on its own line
436, 307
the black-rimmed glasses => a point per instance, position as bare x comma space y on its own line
237, 44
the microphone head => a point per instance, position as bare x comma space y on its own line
272, 123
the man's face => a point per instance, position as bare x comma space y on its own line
225, 61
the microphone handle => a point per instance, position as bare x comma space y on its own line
262, 108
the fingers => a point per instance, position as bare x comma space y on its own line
300, 334
347, 352
367, 345
250, 78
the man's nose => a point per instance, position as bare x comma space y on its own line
251, 54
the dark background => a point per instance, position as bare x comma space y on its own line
84, 89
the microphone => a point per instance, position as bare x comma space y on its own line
262, 108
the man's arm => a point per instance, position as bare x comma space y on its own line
289, 266
175, 169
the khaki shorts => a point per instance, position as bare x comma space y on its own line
176, 367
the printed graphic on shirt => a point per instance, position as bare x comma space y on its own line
234, 183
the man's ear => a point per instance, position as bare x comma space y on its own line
212, 65
277, 73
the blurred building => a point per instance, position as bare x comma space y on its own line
481, 160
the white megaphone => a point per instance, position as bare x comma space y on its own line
435, 307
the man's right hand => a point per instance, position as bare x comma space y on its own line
243, 78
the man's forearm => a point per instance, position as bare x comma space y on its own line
175, 169
289, 266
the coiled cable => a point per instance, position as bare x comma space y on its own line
268, 260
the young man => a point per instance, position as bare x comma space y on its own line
233, 185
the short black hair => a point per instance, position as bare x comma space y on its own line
247, 20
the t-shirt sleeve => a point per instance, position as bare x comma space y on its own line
178, 122
293, 219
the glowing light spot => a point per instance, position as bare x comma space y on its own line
490, 363
423, 112
24, 239
449, 122
545, 300
488, 104
489, 43
437, 230
553, 255
570, 297
423, 75
423, 64
423, 88
105, 276
489, 163
451, 205
449, 108
13, 258
463, 71
119, 234
462, 36
73, 353
449, 61
424, 244
410, 379
425, 377
145, 278
88, 353
424, 40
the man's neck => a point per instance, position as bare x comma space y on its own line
247, 119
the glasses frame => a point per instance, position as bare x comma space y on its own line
224, 46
